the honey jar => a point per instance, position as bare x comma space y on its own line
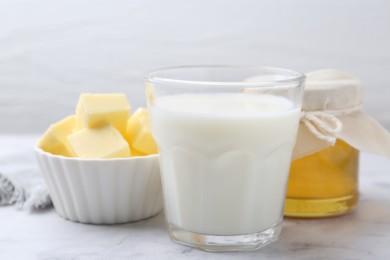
323, 179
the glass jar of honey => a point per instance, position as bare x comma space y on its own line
323, 179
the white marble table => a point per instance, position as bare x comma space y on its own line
364, 234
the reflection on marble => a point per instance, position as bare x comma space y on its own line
364, 234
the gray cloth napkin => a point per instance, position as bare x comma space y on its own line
21, 183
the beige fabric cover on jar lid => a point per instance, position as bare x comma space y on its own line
332, 109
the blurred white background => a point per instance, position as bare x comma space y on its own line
51, 51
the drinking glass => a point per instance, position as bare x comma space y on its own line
225, 136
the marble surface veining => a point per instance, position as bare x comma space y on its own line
364, 234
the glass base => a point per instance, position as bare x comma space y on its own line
219, 243
320, 208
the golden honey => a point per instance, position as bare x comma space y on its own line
324, 184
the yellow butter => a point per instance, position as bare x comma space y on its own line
139, 134
54, 139
94, 110
99, 142
136, 153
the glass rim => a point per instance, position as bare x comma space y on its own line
294, 76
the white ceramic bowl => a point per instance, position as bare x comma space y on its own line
102, 191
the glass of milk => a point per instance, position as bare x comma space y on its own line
225, 136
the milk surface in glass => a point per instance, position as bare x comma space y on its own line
224, 160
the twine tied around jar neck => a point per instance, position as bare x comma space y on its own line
324, 124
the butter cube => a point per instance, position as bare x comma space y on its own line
99, 142
54, 139
94, 110
139, 134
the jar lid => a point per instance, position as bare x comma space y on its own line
332, 110
329, 89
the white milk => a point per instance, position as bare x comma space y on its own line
225, 160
